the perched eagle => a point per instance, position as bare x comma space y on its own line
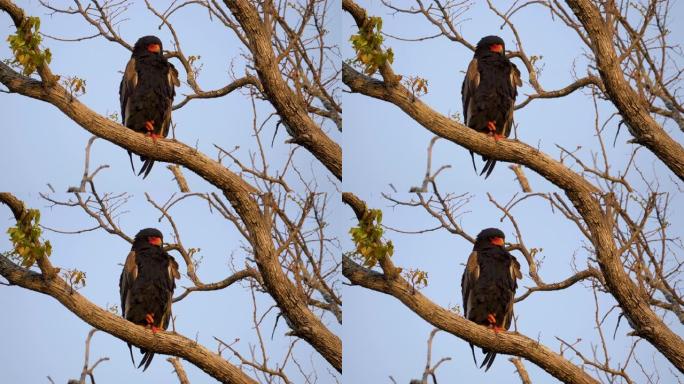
146, 285
488, 93
146, 93
488, 285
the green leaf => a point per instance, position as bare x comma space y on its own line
368, 46
367, 237
25, 237
25, 46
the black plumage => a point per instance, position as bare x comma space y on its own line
488, 285
146, 93
146, 285
488, 93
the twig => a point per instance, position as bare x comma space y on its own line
179, 177
520, 368
520, 176
178, 368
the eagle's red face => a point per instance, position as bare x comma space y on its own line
154, 240
497, 48
154, 48
497, 241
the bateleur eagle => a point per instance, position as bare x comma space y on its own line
146, 285
488, 285
488, 93
146, 93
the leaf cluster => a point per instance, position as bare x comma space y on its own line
367, 237
417, 85
368, 46
25, 46
25, 237
417, 278
75, 278
75, 85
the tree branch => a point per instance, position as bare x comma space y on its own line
585, 197
178, 368
642, 126
511, 151
520, 368
228, 281
161, 342
237, 191
503, 342
239, 83
291, 108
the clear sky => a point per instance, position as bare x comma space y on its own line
382, 147
41, 146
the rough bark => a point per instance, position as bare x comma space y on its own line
585, 197
289, 106
241, 195
503, 342
162, 342
642, 126
511, 151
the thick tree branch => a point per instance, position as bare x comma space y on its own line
357, 12
162, 342
240, 194
291, 108
14, 204
584, 196
168, 343
291, 302
356, 204
161, 150
511, 151
642, 126
504, 342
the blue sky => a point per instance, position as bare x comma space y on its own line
42, 146
382, 147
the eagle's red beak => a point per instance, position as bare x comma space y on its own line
154, 48
155, 240
498, 48
497, 241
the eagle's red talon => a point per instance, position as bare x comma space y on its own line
149, 125
491, 126
498, 137
491, 318
155, 329
149, 318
